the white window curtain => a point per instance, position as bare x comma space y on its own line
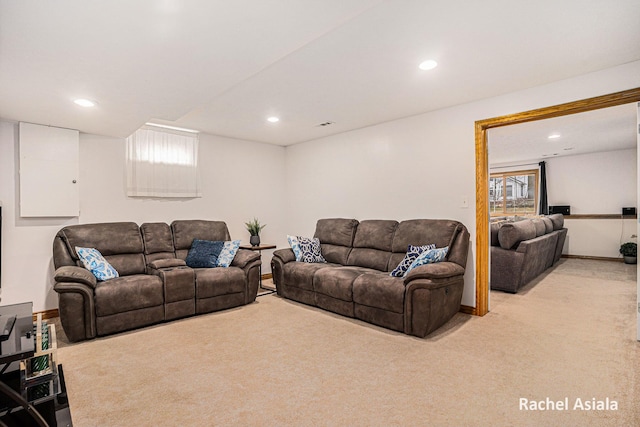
162, 163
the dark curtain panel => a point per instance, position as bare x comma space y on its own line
544, 203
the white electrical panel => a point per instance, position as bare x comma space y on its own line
49, 167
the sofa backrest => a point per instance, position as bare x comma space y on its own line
336, 238
158, 241
508, 235
119, 242
418, 232
382, 244
372, 244
557, 220
184, 231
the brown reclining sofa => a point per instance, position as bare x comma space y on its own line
355, 280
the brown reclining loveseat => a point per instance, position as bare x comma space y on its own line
155, 284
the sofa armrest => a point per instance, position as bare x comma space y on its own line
440, 270
76, 306
285, 255
75, 275
166, 263
245, 257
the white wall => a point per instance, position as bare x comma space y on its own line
240, 180
598, 237
417, 167
594, 183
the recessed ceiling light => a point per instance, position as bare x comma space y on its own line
428, 65
273, 119
85, 103
554, 136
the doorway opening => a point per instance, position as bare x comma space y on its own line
482, 173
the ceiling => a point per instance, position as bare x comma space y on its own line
606, 129
222, 67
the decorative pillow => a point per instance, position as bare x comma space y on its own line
429, 257
310, 249
412, 254
228, 253
295, 245
204, 253
93, 261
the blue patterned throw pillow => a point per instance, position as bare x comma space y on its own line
310, 249
93, 261
429, 257
295, 246
412, 254
228, 253
204, 254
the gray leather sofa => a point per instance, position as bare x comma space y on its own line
355, 280
522, 250
155, 284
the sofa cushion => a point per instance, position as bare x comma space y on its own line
336, 238
128, 293
375, 234
93, 261
548, 224
184, 231
127, 264
336, 231
494, 228
541, 229
557, 220
157, 239
228, 253
379, 290
109, 238
211, 282
430, 256
411, 255
300, 274
295, 247
204, 253
512, 233
120, 243
310, 249
372, 244
417, 232
336, 282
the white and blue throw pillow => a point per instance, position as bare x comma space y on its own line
412, 254
429, 257
204, 253
295, 246
93, 261
310, 249
228, 253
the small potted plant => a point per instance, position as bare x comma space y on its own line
254, 228
629, 251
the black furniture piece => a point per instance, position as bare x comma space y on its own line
30, 379
260, 248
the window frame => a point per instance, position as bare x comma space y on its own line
504, 176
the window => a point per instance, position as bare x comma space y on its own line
513, 193
162, 163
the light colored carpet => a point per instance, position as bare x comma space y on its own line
570, 334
